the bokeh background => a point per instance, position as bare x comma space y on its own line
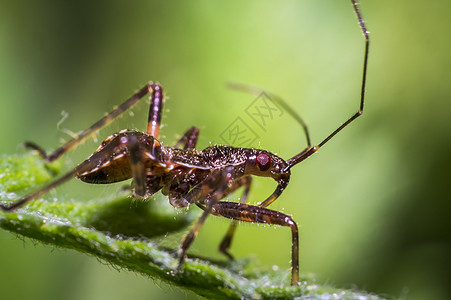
373, 205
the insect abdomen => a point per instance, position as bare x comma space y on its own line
112, 171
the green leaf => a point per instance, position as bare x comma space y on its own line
121, 231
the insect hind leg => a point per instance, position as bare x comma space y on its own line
155, 110
107, 119
84, 166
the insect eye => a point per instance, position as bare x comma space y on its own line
263, 161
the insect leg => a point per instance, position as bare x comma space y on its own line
152, 87
83, 167
189, 139
210, 191
155, 110
226, 242
38, 193
137, 165
256, 214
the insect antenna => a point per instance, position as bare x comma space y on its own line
277, 100
311, 150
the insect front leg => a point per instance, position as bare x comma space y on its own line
256, 214
153, 88
210, 191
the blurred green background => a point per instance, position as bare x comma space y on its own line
373, 205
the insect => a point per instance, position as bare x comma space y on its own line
189, 176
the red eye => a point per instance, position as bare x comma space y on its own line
263, 161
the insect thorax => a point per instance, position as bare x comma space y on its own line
214, 157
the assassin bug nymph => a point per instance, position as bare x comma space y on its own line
189, 176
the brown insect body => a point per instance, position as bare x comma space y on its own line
189, 176
172, 170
